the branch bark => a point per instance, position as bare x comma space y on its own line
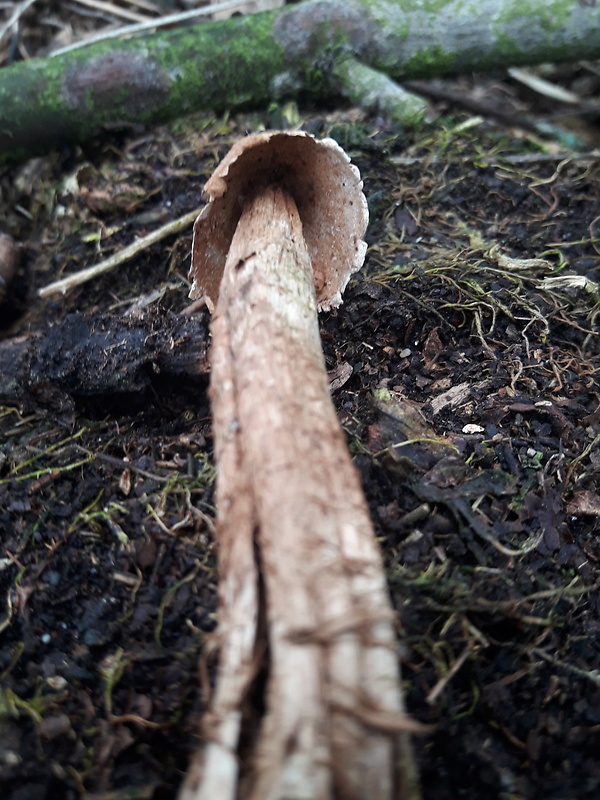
299, 50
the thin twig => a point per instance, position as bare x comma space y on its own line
146, 6
111, 9
170, 19
483, 107
544, 87
592, 675
122, 464
498, 160
126, 254
14, 17
445, 680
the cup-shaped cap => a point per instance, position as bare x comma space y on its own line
328, 193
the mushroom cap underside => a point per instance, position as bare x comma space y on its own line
328, 193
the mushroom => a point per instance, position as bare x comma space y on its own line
308, 704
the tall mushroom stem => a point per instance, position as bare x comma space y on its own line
304, 613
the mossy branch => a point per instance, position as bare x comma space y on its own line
300, 50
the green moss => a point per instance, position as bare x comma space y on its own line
551, 15
431, 6
433, 61
228, 64
13, 706
330, 45
202, 67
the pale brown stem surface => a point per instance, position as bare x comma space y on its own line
291, 509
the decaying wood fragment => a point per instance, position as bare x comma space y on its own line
9, 259
101, 353
308, 701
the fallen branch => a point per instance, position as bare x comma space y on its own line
299, 50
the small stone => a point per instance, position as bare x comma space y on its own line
56, 725
471, 427
56, 682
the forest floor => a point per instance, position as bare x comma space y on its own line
465, 364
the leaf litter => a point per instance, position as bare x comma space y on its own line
471, 409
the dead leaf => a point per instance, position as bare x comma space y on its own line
125, 482
455, 396
584, 503
405, 222
432, 348
339, 376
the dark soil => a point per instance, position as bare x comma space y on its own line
471, 404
